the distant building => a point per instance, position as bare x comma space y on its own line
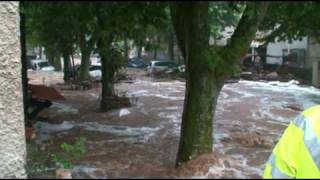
300, 54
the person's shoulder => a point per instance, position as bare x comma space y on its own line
312, 112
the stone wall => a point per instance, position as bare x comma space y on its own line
12, 134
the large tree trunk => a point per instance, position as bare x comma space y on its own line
202, 89
40, 52
204, 77
57, 62
197, 119
107, 78
171, 45
139, 49
53, 58
85, 48
126, 46
66, 66
85, 65
155, 52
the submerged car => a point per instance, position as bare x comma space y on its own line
95, 71
41, 65
136, 63
163, 66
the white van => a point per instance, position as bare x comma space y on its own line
41, 65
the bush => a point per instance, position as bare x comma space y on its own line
70, 153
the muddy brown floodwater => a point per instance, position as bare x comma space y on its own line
141, 141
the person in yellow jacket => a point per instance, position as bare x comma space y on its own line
297, 153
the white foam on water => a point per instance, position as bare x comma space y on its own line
300, 93
95, 73
137, 93
118, 130
172, 108
163, 90
124, 112
45, 130
174, 118
64, 108
87, 170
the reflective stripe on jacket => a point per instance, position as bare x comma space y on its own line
297, 154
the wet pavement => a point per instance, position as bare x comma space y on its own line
141, 141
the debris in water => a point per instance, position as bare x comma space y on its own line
124, 112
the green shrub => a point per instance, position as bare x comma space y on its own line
70, 153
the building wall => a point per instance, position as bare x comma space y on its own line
12, 133
313, 52
313, 60
275, 49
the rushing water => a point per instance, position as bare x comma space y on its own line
142, 140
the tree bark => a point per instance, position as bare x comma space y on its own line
201, 88
40, 52
171, 46
107, 78
155, 52
85, 65
57, 62
66, 66
179, 21
126, 47
139, 48
85, 48
53, 58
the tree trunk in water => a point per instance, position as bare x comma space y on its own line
204, 77
54, 59
40, 52
57, 63
73, 66
66, 66
107, 78
201, 88
24, 62
171, 46
85, 48
126, 47
156, 48
139, 49
197, 119
155, 53
50, 58
84, 67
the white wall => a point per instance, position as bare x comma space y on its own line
275, 49
12, 133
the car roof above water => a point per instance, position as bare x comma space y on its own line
38, 60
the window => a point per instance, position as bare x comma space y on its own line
43, 64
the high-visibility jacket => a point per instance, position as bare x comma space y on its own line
297, 153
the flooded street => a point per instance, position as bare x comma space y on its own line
141, 141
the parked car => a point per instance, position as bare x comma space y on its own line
136, 63
41, 65
162, 66
95, 71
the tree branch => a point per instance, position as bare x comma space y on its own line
178, 22
245, 31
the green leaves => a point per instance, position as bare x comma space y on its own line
291, 21
223, 14
70, 153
